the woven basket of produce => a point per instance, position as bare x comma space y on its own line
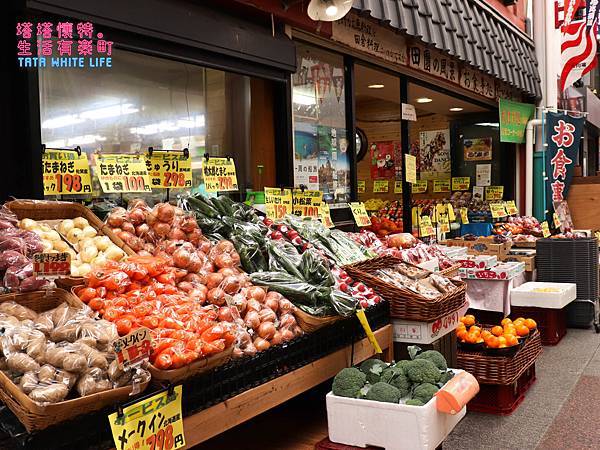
310, 323
490, 369
42, 398
423, 302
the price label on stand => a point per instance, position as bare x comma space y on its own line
497, 210
360, 214
464, 215
494, 192
278, 202
361, 186
451, 215
133, 348
443, 223
306, 203
219, 175
461, 183
397, 187
441, 186
122, 173
410, 168
545, 229
325, 216
150, 424
169, 170
51, 264
381, 186
511, 208
425, 227
419, 187
556, 221
65, 172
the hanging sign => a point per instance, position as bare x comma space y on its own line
306, 203
497, 210
408, 112
441, 185
494, 192
169, 170
419, 187
278, 202
219, 174
51, 264
133, 349
461, 183
410, 168
563, 134
513, 120
360, 214
511, 208
65, 172
556, 221
444, 223
380, 186
545, 229
325, 215
361, 186
451, 215
122, 173
425, 227
398, 187
150, 424
464, 215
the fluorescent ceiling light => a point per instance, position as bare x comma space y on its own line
304, 99
488, 124
109, 111
424, 100
170, 125
85, 139
331, 10
59, 143
376, 86
61, 121
456, 109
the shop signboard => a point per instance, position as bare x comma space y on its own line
219, 175
122, 173
361, 217
278, 202
409, 112
169, 169
433, 62
461, 183
563, 136
361, 186
420, 187
494, 192
66, 172
441, 186
477, 82
513, 120
397, 187
477, 149
306, 203
381, 186
410, 168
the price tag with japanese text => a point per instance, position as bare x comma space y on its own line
219, 175
133, 348
511, 208
425, 227
150, 424
545, 229
360, 214
451, 214
419, 187
556, 221
66, 172
122, 173
51, 264
441, 185
464, 215
361, 186
461, 183
169, 170
278, 202
443, 223
381, 186
325, 216
497, 210
306, 203
397, 187
410, 168
494, 192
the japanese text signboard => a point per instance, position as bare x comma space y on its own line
410, 165
66, 172
362, 186
133, 348
306, 203
513, 120
51, 264
420, 187
461, 183
381, 186
278, 202
441, 185
150, 424
563, 136
360, 214
122, 173
219, 175
169, 170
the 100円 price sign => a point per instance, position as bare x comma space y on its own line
66, 172
154, 423
122, 173
169, 170
219, 175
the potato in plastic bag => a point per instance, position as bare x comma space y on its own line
52, 393
29, 381
21, 312
44, 322
21, 363
65, 356
47, 374
93, 356
93, 381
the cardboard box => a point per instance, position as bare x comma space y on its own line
502, 271
481, 246
529, 261
543, 295
413, 332
477, 261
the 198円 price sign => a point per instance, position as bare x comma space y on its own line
219, 175
122, 173
65, 172
169, 170
155, 423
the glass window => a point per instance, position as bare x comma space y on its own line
143, 101
319, 111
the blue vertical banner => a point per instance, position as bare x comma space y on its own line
563, 136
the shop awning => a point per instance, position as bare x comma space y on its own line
467, 31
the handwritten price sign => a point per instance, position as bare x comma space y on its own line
133, 348
360, 214
420, 187
325, 216
278, 202
219, 175
461, 183
51, 264
441, 186
306, 203
65, 173
169, 170
380, 186
122, 173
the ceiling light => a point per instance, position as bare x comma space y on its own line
61, 121
303, 99
456, 109
424, 100
109, 111
328, 10
376, 86
331, 10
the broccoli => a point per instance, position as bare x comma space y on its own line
383, 392
402, 364
424, 392
348, 382
435, 357
422, 371
446, 376
395, 376
414, 402
373, 368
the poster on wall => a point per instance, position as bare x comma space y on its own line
306, 163
477, 149
483, 174
434, 149
385, 159
333, 164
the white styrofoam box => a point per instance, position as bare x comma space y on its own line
432, 265
360, 423
529, 294
454, 251
414, 332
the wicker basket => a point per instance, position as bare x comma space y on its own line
36, 417
501, 369
310, 323
405, 304
451, 271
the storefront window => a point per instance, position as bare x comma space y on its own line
320, 138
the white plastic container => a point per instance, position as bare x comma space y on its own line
392, 426
413, 332
531, 294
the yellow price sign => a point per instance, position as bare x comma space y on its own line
441, 185
440, 209
556, 220
494, 192
461, 183
122, 173
306, 203
443, 223
511, 208
65, 172
359, 212
325, 215
278, 202
397, 187
150, 424
410, 168
451, 215
381, 186
497, 210
169, 170
419, 187
545, 229
362, 186
464, 215
219, 175
425, 227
